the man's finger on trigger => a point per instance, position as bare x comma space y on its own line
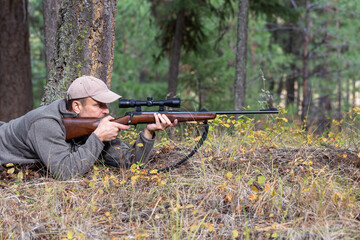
121, 126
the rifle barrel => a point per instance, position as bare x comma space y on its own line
268, 111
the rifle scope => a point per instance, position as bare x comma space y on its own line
127, 103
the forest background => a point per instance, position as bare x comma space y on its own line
305, 54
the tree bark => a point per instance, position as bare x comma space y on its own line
15, 67
84, 44
241, 56
175, 55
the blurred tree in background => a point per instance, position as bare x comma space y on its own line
15, 68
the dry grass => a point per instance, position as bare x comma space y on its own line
273, 183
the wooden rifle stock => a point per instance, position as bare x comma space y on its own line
78, 127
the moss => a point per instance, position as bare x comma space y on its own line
79, 45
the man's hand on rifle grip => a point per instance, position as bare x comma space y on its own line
107, 130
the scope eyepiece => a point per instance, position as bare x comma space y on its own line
127, 103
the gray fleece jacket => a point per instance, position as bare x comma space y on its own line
39, 137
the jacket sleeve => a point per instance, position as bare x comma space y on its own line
47, 139
118, 154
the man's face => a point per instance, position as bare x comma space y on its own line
92, 108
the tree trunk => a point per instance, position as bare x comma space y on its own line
51, 11
290, 86
291, 79
241, 51
15, 68
84, 44
338, 76
305, 73
175, 55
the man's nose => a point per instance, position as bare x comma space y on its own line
106, 110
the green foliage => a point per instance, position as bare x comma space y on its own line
273, 9
196, 14
38, 68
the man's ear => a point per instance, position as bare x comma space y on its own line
76, 106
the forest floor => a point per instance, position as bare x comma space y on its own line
246, 182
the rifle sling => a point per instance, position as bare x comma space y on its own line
198, 145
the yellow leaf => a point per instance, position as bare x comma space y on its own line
197, 138
253, 197
305, 190
229, 175
195, 211
133, 179
20, 175
11, 164
235, 234
261, 179
155, 171
107, 214
162, 182
70, 235
140, 145
11, 170
254, 189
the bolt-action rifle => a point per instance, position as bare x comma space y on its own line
78, 127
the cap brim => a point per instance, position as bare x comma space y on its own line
106, 97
